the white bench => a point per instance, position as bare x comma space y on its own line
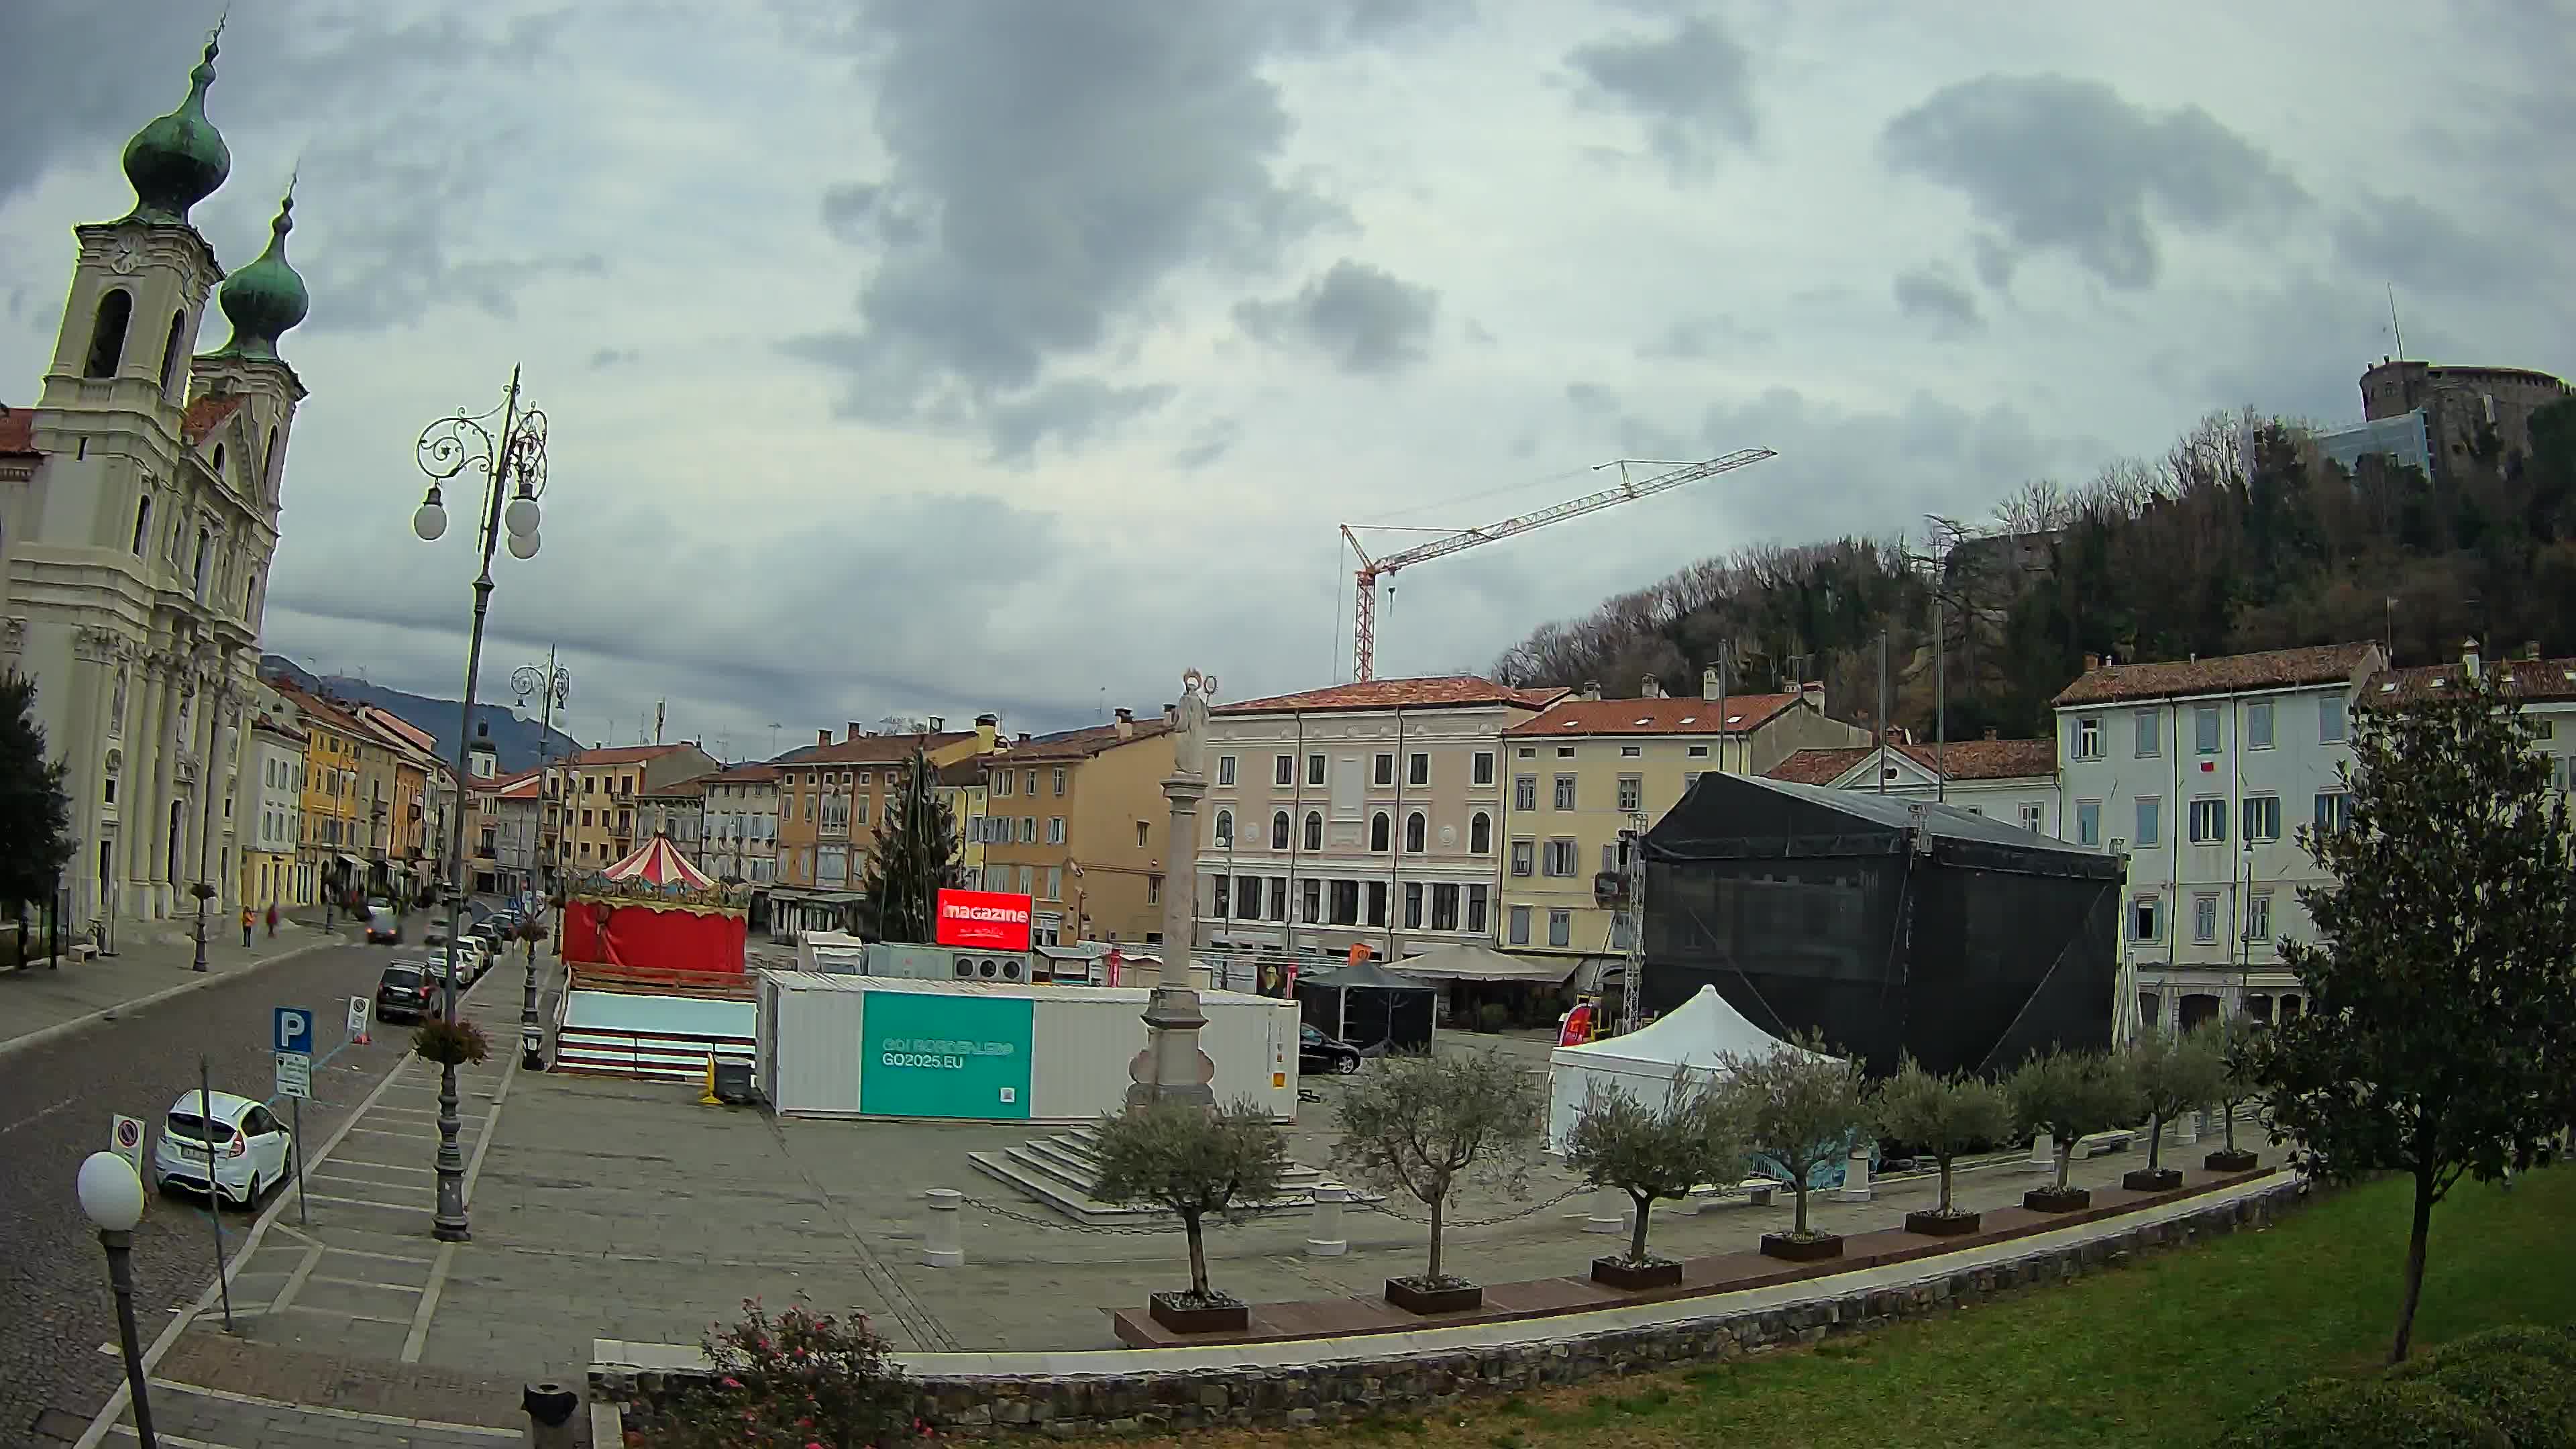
1756, 1191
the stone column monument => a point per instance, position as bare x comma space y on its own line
1172, 1068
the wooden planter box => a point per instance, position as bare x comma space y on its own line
1411, 1296
1636, 1277
2239, 1160
2057, 1200
1802, 1250
2152, 1179
1941, 1225
1180, 1313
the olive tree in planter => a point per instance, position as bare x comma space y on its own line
2070, 1095
1940, 1117
1428, 1125
2236, 1087
1190, 1162
2175, 1072
1801, 1106
1651, 1153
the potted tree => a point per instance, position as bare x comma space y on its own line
1941, 1117
2068, 1095
2175, 1072
1650, 1153
1427, 1125
1190, 1163
2236, 1087
1801, 1106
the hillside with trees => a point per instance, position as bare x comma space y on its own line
2241, 537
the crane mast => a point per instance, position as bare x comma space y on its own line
1628, 490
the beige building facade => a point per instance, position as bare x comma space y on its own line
1079, 823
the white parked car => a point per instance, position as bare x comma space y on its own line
251, 1148
471, 959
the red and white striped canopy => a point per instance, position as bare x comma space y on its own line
658, 863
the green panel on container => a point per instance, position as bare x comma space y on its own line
931, 1054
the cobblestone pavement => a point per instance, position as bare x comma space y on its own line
54, 1307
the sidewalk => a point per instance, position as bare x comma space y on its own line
41, 1002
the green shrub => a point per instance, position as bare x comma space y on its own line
2531, 1340
2373, 1413
2527, 1396
1493, 1016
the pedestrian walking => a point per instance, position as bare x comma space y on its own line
272, 920
246, 925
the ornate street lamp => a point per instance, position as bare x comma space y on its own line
513, 464
554, 683
112, 1197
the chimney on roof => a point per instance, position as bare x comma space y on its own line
1709, 688
1990, 732
988, 732
1024, 737
851, 731
938, 724
2092, 662
2469, 657
1126, 724
1813, 689
1651, 688
822, 737
2530, 648
1591, 689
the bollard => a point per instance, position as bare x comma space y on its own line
550, 1407
1856, 1176
1325, 1236
2186, 1128
942, 1243
2043, 1152
1609, 1211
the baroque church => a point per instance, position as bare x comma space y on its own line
138, 516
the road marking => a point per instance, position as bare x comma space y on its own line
427, 1308
37, 1117
295, 1280
387, 1167
366, 1253
367, 1202
180, 1440
367, 1283
328, 1412
344, 1313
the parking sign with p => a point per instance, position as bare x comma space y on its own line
294, 1031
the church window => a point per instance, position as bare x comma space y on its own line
269, 462
107, 334
219, 462
205, 555
142, 524
170, 351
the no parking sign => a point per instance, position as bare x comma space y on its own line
125, 1139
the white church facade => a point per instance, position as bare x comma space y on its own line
139, 506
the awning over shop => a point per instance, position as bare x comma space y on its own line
1468, 962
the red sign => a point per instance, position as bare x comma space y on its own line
984, 920
1578, 1026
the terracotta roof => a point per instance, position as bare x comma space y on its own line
2221, 674
1961, 759
1655, 716
1082, 744
17, 430
322, 709
520, 787
391, 723
968, 771
746, 775
503, 784
278, 727
875, 749
694, 785
1436, 691
618, 755
207, 414
2531, 679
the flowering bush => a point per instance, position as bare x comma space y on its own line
450, 1043
799, 1380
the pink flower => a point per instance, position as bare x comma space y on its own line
729, 1381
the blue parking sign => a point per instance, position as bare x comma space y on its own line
294, 1030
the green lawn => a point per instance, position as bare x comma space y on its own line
2161, 1352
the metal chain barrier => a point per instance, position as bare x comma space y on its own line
1446, 1224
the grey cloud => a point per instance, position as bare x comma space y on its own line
2059, 164
1693, 338
2400, 239
1591, 397
608, 357
1365, 319
1939, 298
1692, 87
1049, 167
1072, 412
1209, 442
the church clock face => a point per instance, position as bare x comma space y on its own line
125, 256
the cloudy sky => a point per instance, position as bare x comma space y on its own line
976, 355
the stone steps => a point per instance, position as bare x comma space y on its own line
1060, 1172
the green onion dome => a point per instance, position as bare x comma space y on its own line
265, 298
179, 159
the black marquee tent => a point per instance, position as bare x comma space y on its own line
1890, 925
1370, 1007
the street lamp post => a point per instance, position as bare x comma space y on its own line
112, 1197
555, 684
517, 456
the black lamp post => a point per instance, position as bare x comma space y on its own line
112, 1198
516, 457
554, 683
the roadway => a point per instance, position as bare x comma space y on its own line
55, 1103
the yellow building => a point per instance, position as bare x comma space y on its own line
1088, 830
832, 800
272, 826
591, 809
1586, 769
329, 851
963, 789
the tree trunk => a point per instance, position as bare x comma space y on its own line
1198, 1252
1637, 1235
2065, 1162
2155, 1139
1945, 1185
2229, 1109
1432, 1274
1800, 1226
2415, 1242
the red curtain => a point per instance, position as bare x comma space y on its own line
673, 940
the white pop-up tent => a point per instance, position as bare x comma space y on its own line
1691, 1037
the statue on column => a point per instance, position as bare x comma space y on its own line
1189, 742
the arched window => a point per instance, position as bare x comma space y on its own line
1480, 834
170, 351
268, 465
1225, 827
205, 556
1414, 826
107, 334
142, 524
1279, 830
219, 461
1379, 830
1314, 830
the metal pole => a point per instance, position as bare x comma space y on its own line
1940, 698
300, 1218
120, 1277
450, 1224
205, 827
214, 1192
1883, 731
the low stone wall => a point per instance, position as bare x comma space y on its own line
1349, 1388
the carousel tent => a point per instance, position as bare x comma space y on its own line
656, 911
1644, 1063
1370, 1007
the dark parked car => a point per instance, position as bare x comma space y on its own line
1317, 1052
405, 993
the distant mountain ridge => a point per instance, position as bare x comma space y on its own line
517, 743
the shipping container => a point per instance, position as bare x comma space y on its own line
866, 1046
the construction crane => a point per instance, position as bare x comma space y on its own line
1364, 621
